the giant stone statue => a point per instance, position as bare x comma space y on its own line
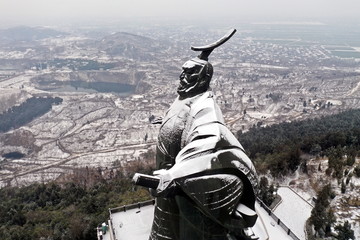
205, 183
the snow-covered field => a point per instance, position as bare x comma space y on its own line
86, 130
345, 205
293, 211
346, 208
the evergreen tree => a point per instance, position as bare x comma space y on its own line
266, 192
357, 171
322, 217
345, 232
343, 187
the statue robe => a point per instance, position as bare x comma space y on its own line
204, 173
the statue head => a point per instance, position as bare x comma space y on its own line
195, 77
197, 72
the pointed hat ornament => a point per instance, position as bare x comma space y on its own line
207, 49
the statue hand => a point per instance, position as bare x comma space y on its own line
166, 187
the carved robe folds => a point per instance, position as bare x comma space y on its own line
205, 176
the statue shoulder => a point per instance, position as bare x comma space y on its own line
206, 108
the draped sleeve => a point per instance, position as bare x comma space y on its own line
211, 168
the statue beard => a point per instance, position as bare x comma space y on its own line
186, 90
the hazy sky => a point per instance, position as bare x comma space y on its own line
43, 12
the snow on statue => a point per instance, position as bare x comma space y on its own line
205, 184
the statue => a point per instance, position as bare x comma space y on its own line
205, 183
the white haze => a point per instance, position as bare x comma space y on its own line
46, 12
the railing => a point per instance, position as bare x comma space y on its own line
124, 209
299, 196
278, 221
131, 206
152, 202
111, 229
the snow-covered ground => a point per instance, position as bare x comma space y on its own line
135, 224
346, 206
272, 229
293, 211
86, 130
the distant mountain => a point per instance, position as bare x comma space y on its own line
130, 46
24, 33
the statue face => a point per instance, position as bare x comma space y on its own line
194, 78
189, 76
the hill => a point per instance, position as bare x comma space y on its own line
24, 33
130, 46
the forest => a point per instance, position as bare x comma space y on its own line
68, 210
32, 108
279, 148
283, 148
